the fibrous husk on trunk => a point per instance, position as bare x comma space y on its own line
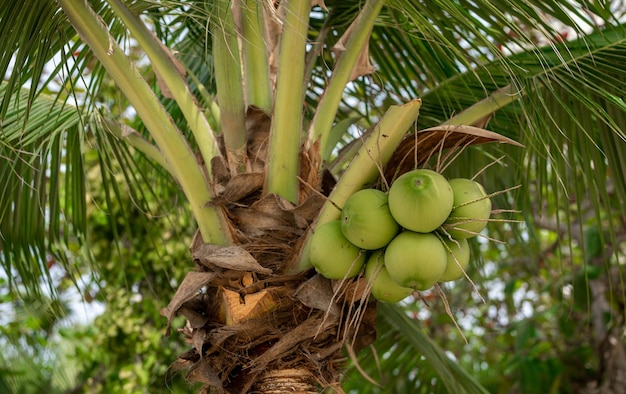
252, 326
244, 323
286, 381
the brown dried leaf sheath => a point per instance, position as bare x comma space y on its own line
253, 327
191, 286
426, 143
227, 257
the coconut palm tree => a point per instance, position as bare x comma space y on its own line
266, 116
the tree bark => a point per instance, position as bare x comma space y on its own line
286, 381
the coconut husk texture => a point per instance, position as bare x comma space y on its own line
254, 324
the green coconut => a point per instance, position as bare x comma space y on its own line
458, 257
383, 288
420, 200
332, 255
366, 220
471, 210
415, 260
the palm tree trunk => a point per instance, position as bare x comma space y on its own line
286, 381
255, 328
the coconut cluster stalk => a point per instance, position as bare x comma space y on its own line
367, 164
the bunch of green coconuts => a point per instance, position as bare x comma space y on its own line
408, 239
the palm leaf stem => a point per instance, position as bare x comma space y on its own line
212, 112
255, 56
283, 166
484, 108
449, 371
156, 119
136, 140
327, 109
228, 80
169, 70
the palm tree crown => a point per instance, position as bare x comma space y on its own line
263, 116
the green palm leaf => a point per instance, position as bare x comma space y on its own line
568, 111
41, 170
408, 361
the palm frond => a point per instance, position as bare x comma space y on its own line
417, 46
49, 96
570, 114
47, 170
42, 175
30, 40
39, 50
408, 361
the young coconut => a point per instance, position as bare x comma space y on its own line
383, 287
420, 200
458, 253
415, 260
332, 255
366, 220
471, 211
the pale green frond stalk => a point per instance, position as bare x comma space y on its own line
283, 167
136, 140
164, 64
498, 99
336, 133
255, 56
229, 83
368, 163
156, 119
372, 156
455, 378
328, 105
212, 112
